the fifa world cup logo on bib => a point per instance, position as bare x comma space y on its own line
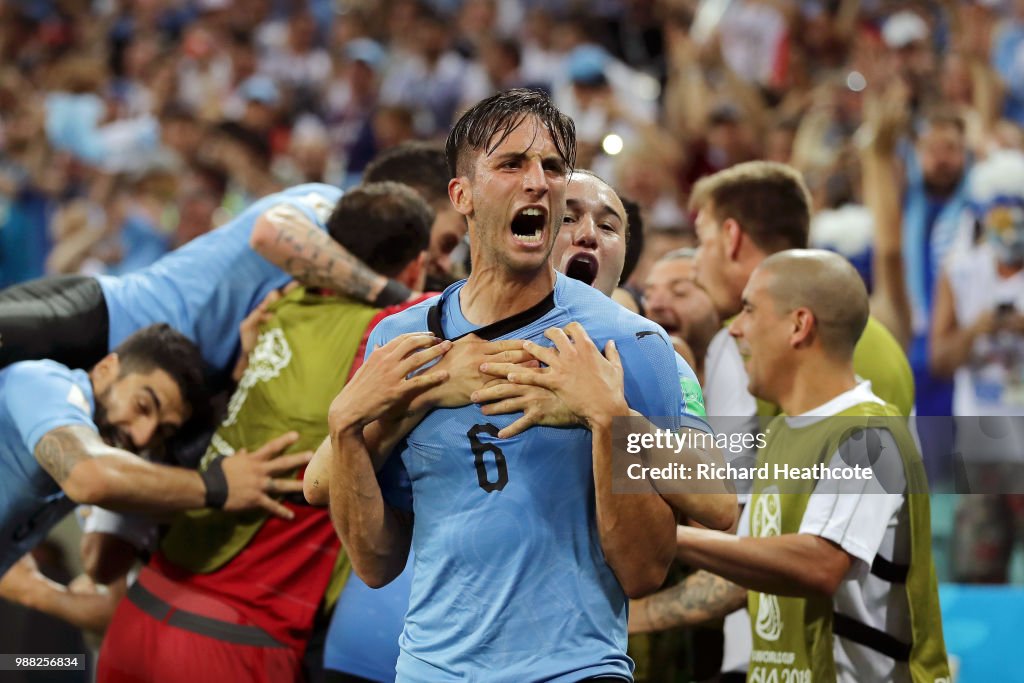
766, 520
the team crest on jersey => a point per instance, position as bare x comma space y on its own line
766, 520
76, 397
271, 355
319, 204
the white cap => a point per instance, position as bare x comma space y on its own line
903, 28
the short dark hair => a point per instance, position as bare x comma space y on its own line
161, 347
634, 227
769, 200
498, 116
420, 165
384, 225
634, 237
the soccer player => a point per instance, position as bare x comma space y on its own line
673, 300
422, 166
591, 246
838, 577
203, 289
68, 436
509, 575
745, 214
243, 590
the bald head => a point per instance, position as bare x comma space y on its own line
827, 285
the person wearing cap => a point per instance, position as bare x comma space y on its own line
907, 36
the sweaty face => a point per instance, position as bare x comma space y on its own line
943, 156
673, 300
711, 262
762, 334
516, 198
140, 410
591, 246
445, 235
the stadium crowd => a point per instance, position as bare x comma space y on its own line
222, 149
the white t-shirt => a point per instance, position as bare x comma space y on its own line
725, 379
726, 396
864, 524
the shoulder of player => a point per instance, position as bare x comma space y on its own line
411, 319
317, 198
33, 372
603, 317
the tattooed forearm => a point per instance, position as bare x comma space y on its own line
61, 449
701, 597
313, 258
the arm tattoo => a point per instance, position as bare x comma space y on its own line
61, 449
701, 597
315, 259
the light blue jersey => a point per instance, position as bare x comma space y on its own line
206, 288
363, 638
510, 582
35, 397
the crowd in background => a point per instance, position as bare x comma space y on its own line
129, 127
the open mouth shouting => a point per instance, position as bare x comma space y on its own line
528, 225
583, 267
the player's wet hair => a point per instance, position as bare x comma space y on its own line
420, 165
384, 225
161, 347
490, 121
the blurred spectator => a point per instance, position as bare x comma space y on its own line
429, 78
672, 298
300, 65
978, 324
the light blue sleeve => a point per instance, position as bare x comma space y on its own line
651, 377
693, 415
42, 398
393, 476
315, 201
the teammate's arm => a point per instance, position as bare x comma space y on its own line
91, 472
637, 531
709, 502
81, 603
375, 534
380, 436
701, 597
284, 236
462, 363
800, 565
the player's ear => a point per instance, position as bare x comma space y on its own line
460, 192
803, 327
105, 372
733, 234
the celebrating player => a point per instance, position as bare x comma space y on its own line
839, 578
521, 515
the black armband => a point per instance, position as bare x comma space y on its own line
394, 292
216, 483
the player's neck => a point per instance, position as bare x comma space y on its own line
492, 294
816, 383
